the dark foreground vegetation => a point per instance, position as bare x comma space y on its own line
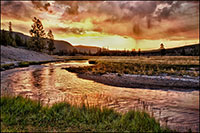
20, 114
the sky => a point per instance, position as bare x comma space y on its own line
111, 24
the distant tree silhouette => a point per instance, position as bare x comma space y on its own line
18, 40
162, 49
90, 52
26, 43
11, 40
38, 34
10, 27
139, 52
183, 52
133, 53
74, 52
161, 46
50, 41
98, 51
4, 37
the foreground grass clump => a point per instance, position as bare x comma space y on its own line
20, 114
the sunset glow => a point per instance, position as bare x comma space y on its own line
111, 24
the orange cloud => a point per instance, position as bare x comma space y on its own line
175, 20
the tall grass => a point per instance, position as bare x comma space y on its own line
154, 65
173, 60
20, 114
147, 68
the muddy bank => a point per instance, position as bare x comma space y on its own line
144, 81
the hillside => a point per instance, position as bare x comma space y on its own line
190, 50
185, 50
12, 55
60, 45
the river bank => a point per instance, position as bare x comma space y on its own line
175, 73
145, 81
50, 83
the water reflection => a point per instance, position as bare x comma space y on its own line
36, 78
50, 84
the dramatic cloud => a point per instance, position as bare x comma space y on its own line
42, 6
175, 20
68, 30
16, 10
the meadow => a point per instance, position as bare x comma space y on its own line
144, 65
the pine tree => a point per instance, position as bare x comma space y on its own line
50, 41
139, 52
38, 34
11, 40
183, 52
3, 40
10, 27
18, 40
90, 52
74, 52
162, 49
26, 43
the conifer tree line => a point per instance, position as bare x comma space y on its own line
39, 41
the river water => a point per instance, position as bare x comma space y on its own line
50, 83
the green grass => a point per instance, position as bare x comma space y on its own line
142, 65
27, 63
24, 64
6, 66
20, 114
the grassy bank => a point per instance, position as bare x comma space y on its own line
6, 66
143, 65
28, 63
20, 114
24, 64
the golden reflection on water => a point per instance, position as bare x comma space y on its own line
50, 84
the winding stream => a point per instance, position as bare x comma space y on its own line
49, 83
